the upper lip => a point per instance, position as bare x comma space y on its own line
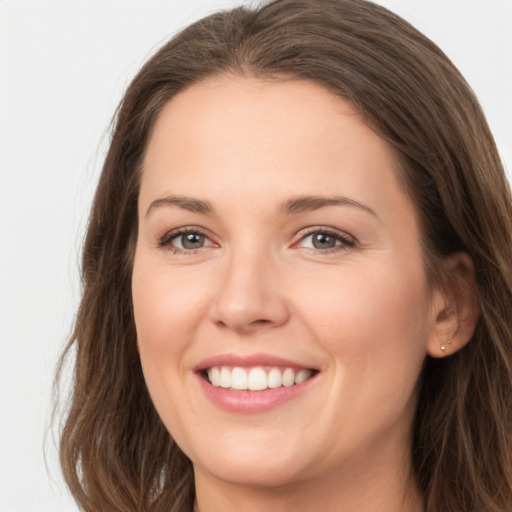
249, 360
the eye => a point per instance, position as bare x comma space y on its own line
185, 240
190, 241
326, 240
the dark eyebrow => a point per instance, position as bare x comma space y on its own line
309, 203
186, 203
295, 205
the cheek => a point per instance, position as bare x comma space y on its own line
373, 326
166, 308
167, 311
373, 316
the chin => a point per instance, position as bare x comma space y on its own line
251, 474
253, 464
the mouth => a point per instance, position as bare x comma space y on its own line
253, 383
256, 378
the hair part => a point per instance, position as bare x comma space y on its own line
115, 452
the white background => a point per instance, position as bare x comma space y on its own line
63, 67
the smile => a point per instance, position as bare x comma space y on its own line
256, 378
253, 383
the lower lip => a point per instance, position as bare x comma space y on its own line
251, 401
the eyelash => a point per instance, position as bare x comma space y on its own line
346, 242
166, 240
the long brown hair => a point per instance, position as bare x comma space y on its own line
115, 452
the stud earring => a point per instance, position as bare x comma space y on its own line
443, 348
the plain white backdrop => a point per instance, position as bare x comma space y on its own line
64, 65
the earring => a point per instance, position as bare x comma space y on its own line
443, 346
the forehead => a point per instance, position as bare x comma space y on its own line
252, 126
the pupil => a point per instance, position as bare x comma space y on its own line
323, 241
192, 240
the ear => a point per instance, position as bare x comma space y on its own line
455, 307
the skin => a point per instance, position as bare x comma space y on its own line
362, 313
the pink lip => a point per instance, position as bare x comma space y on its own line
251, 401
248, 360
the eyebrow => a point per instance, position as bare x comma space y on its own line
304, 204
186, 203
295, 205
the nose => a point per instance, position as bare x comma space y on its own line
249, 297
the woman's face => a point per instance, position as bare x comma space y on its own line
276, 243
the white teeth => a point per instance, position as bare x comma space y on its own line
214, 376
288, 377
302, 375
274, 378
238, 378
225, 378
256, 379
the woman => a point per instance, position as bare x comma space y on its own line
297, 283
